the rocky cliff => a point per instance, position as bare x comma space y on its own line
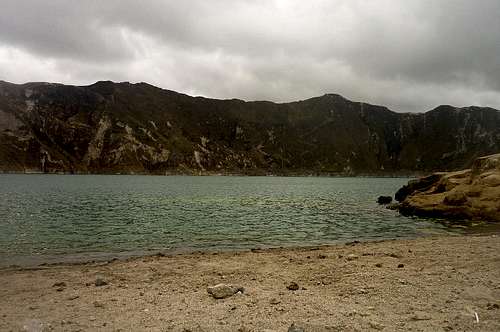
137, 128
468, 194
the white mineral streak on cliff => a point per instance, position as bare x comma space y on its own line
271, 136
197, 158
96, 145
30, 105
204, 141
148, 133
142, 151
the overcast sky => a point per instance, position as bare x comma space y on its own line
409, 55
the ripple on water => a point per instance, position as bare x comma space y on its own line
60, 214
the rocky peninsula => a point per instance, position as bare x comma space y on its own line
471, 194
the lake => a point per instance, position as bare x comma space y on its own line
75, 217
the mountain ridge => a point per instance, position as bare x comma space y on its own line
124, 127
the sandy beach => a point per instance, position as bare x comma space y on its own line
427, 284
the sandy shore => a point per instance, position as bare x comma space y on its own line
430, 284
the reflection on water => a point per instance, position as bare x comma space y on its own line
63, 214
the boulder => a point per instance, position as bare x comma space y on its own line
471, 194
222, 291
384, 200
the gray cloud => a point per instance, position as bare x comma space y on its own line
409, 56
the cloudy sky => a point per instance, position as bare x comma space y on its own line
409, 55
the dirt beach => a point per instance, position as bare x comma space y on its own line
428, 284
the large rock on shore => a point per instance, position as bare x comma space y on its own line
472, 194
221, 291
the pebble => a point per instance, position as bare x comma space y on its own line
352, 257
492, 306
376, 326
73, 297
400, 266
98, 304
295, 328
293, 286
274, 301
100, 282
59, 284
393, 255
378, 265
419, 315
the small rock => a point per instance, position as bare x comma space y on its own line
293, 286
221, 291
352, 257
492, 306
321, 256
393, 255
400, 266
295, 328
383, 200
393, 206
98, 304
59, 284
419, 315
376, 326
274, 301
73, 297
100, 282
378, 265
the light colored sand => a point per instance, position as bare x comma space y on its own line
443, 283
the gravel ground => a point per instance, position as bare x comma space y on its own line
427, 284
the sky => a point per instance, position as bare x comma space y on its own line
410, 55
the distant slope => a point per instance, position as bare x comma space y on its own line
137, 128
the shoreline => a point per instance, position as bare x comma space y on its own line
235, 174
425, 284
35, 261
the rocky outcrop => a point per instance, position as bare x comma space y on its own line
111, 127
472, 194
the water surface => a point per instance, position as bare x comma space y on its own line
61, 216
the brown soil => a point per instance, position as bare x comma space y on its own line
430, 284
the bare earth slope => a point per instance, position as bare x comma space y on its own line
431, 284
469, 194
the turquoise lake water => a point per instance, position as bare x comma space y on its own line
55, 216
